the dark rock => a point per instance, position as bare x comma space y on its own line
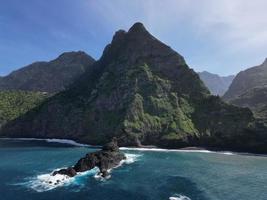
105, 159
111, 146
69, 172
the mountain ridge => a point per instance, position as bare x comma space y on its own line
249, 89
143, 93
248, 79
52, 76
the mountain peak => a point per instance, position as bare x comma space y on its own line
71, 54
74, 56
138, 27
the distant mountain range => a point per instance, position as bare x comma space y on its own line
217, 85
143, 93
249, 89
52, 77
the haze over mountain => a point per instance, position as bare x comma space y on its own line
217, 85
53, 76
249, 89
142, 92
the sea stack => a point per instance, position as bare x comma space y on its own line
110, 156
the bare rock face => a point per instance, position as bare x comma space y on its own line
105, 159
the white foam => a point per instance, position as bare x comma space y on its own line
228, 153
62, 141
179, 197
46, 182
175, 150
130, 158
165, 150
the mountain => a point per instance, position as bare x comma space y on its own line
51, 76
249, 89
143, 93
217, 85
247, 80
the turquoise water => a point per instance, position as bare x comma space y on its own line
147, 175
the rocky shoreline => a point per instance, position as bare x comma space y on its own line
109, 157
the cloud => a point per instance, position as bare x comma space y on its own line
212, 33
243, 21
239, 22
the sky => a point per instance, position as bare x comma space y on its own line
219, 36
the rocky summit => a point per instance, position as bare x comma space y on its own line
142, 92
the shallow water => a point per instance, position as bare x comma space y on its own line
148, 175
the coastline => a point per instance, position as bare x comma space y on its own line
53, 140
191, 149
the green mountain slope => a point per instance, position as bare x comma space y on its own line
142, 92
53, 76
16, 103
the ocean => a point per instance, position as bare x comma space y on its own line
26, 165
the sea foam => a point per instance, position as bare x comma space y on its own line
46, 182
176, 150
62, 141
179, 197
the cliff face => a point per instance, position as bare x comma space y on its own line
247, 80
53, 76
249, 89
217, 85
142, 92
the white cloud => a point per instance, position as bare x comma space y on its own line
241, 20
233, 27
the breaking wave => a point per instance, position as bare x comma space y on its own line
52, 140
177, 150
46, 182
179, 197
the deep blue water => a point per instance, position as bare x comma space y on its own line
147, 175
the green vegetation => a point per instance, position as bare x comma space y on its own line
16, 103
141, 92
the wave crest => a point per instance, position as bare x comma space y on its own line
179, 197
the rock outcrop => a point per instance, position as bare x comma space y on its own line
105, 159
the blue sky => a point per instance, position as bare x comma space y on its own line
222, 37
